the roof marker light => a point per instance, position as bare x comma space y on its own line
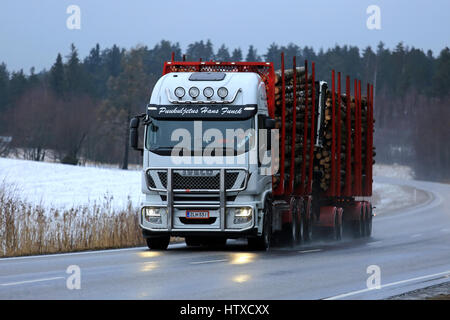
194, 92
208, 92
180, 92
222, 92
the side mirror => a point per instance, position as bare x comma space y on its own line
269, 123
134, 134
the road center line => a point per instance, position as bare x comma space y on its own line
30, 281
209, 261
344, 295
416, 235
310, 251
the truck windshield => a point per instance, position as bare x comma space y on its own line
163, 136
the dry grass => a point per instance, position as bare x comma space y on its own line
27, 229
440, 297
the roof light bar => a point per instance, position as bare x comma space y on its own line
209, 101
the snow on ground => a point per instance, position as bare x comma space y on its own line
59, 185
393, 171
389, 197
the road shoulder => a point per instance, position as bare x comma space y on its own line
436, 292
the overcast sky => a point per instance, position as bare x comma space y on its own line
33, 32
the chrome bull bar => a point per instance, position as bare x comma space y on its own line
222, 194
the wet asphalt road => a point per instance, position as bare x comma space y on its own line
411, 247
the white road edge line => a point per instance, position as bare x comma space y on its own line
30, 281
416, 235
344, 295
310, 251
70, 254
209, 261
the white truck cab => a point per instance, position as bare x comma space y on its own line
203, 159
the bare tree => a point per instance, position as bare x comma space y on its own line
74, 119
5, 142
30, 123
129, 93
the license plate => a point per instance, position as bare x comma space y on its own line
197, 214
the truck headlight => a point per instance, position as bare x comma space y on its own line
153, 215
243, 212
241, 215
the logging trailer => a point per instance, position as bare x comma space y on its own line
234, 150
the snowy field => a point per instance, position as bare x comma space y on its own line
65, 186
393, 171
390, 197
60, 185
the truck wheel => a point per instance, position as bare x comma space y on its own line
263, 241
363, 223
308, 224
192, 241
158, 243
358, 226
368, 221
297, 225
338, 229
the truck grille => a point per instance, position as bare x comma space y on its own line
199, 182
196, 183
163, 178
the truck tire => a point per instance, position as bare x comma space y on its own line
158, 243
358, 226
368, 221
297, 225
308, 223
338, 227
263, 241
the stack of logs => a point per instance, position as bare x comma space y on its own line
301, 97
322, 154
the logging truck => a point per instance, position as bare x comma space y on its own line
239, 150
